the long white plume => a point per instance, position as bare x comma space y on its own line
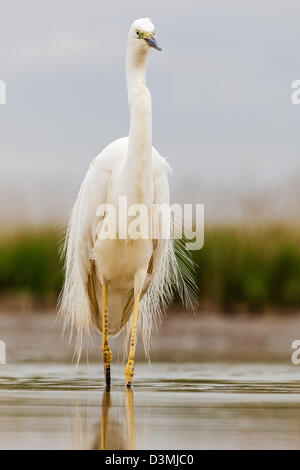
175, 273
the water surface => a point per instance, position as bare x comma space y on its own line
172, 406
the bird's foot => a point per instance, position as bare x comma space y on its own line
129, 371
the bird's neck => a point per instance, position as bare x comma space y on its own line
138, 163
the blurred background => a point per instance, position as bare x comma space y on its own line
222, 115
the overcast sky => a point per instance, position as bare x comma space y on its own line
221, 92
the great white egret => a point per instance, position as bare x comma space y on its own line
109, 280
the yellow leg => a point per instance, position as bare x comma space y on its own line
129, 369
106, 352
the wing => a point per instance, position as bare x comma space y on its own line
84, 220
171, 268
78, 300
161, 197
158, 288
150, 307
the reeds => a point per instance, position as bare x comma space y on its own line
239, 268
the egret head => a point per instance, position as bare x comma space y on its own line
142, 35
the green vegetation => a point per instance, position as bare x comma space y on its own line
239, 268
29, 265
250, 268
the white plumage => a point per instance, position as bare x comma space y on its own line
129, 167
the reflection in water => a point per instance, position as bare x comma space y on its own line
116, 433
174, 406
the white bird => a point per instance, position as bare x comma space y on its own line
109, 280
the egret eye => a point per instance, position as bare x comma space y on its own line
137, 33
